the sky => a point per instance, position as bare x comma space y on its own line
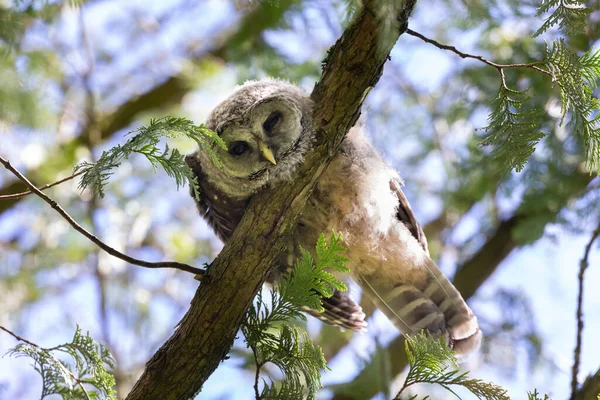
546, 272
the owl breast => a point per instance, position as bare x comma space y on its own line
353, 197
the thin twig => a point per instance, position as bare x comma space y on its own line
19, 338
583, 264
453, 49
47, 186
257, 374
48, 352
94, 239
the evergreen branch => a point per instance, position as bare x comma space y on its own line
47, 186
93, 238
534, 65
307, 273
432, 361
583, 264
272, 340
576, 76
512, 133
145, 142
534, 396
569, 15
91, 362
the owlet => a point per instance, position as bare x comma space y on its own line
268, 128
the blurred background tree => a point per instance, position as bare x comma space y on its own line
78, 75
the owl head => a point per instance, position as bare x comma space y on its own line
267, 127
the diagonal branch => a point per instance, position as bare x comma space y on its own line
499, 67
583, 264
47, 186
206, 333
91, 237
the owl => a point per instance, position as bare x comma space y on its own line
268, 128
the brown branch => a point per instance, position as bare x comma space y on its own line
47, 186
206, 333
92, 238
499, 67
19, 338
583, 264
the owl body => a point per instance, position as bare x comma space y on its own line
268, 128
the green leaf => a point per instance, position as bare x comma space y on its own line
273, 340
535, 396
576, 76
88, 378
512, 132
145, 142
432, 361
569, 15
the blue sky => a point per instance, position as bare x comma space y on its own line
544, 272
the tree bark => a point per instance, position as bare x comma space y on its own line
206, 333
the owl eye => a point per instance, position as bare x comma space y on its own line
273, 120
238, 148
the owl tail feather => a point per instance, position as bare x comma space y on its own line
435, 306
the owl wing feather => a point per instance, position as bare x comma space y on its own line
341, 311
407, 216
434, 304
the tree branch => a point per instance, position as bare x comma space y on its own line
47, 186
92, 238
583, 264
499, 67
206, 333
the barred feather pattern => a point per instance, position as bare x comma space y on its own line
341, 311
436, 306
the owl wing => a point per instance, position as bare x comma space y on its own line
341, 311
433, 304
407, 216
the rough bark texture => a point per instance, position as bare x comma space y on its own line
206, 333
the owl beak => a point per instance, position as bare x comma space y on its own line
267, 153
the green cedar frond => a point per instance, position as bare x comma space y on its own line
569, 15
300, 361
432, 361
576, 76
273, 340
145, 142
308, 274
88, 378
535, 394
512, 132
